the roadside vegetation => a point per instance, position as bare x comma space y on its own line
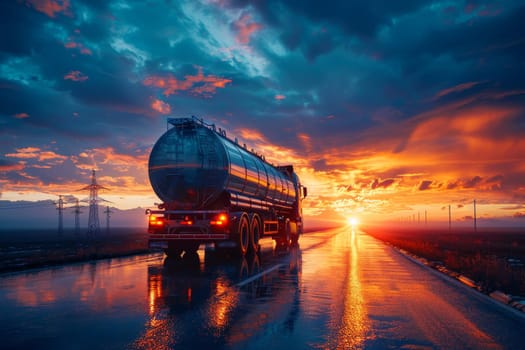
21, 250
495, 259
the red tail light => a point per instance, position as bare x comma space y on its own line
220, 220
156, 220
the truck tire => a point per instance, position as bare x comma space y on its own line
174, 250
243, 234
287, 232
284, 237
295, 234
255, 233
190, 247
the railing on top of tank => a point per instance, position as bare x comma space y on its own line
180, 121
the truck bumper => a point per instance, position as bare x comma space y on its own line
187, 236
160, 241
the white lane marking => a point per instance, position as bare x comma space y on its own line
257, 276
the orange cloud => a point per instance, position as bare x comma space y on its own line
161, 106
21, 115
119, 166
251, 135
457, 88
197, 84
245, 28
110, 156
36, 153
47, 155
114, 172
50, 7
25, 153
460, 150
306, 141
81, 48
279, 97
75, 75
466, 136
12, 167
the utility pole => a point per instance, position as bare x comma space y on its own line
449, 219
77, 213
475, 219
60, 209
107, 212
425, 217
93, 221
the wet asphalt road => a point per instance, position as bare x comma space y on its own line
339, 289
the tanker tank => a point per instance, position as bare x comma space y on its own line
194, 166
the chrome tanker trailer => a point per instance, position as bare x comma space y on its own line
214, 190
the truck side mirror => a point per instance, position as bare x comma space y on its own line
305, 192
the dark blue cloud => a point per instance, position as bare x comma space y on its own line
22, 30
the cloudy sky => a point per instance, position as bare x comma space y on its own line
386, 108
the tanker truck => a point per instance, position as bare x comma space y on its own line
214, 190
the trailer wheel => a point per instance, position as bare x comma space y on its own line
191, 248
174, 250
295, 234
285, 237
243, 234
255, 233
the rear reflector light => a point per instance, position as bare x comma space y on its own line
156, 221
220, 220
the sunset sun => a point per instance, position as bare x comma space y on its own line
353, 221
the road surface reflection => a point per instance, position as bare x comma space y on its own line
340, 289
197, 303
354, 324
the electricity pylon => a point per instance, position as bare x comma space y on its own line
77, 212
60, 208
108, 215
93, 221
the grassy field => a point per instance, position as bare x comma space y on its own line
494, 258
23, 249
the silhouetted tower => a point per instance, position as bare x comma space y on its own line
475, 219
77, 212
449, 218
93, 221
60, 208
108, 215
